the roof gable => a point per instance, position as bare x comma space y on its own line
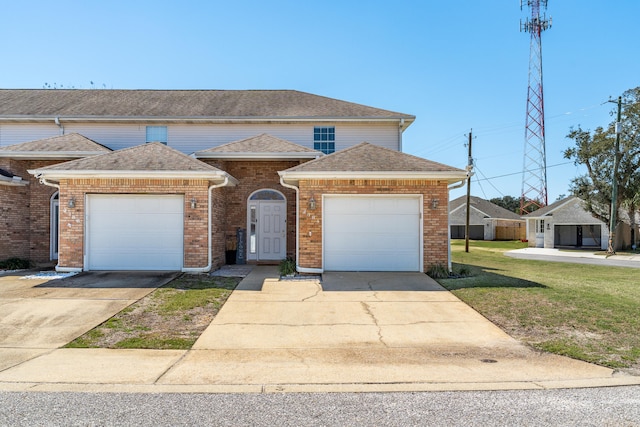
549, 209
72, 145
152, 159
367, 157
488, 209
83, 103
259, 146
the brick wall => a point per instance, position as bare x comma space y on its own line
253, 176
434, 220
25, 213
195, 222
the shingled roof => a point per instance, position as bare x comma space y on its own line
68, 146
372, 161
148, 160
175, 104
490, 210
259, 147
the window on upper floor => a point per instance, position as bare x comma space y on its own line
324, 139
157, 134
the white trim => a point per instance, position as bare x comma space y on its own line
54, 228
418, 196
450, 176
248, 233
43, 155
71, 174
13, 181
211, 119
257, 156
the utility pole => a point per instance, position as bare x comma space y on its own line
469, 169
611, 248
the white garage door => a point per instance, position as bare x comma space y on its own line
134, 232
372, 233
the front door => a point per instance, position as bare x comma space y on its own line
267, 227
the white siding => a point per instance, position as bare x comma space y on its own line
193, 137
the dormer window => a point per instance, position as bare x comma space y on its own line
157, 134
324, 139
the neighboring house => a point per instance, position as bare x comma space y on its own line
566, 223
487, 221
162, 180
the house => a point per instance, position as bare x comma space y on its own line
566, 223
163, 180
487, 221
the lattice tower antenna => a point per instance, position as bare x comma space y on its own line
534, 171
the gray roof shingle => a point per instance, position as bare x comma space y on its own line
87, 103
152, 159
64, 146
491, 210
366, 157
259, 144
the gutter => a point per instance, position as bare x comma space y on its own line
298, 267
207, 268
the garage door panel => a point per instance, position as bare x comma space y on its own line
135, 232
372, 233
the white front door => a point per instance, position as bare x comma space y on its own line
267, 226
540, 233
272, 231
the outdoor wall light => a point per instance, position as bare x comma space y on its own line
435, 203
193, 203
72, 202
312, 203
548, 226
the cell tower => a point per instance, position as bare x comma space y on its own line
534, 172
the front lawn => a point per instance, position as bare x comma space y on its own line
171, 317
586, 312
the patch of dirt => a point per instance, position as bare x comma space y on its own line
150, 322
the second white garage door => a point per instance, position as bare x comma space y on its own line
134, 232
369, 233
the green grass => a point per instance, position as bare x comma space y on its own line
586, 312
171, 317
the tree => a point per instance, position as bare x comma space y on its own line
508, 202
596, 152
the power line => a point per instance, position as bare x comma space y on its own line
520, 173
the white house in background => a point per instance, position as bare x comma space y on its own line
487, 221
566, 223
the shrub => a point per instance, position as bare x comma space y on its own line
287, 266
15, 264
438, 271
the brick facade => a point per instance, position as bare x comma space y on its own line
435, 239
254, 176
25, 213
195, 220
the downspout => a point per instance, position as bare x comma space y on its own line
56, 120
300, 269
452, 187
400, 126
207, 268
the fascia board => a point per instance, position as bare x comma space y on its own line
216, 119
16, 180
46, 155
449, 176
256, 156
78, 174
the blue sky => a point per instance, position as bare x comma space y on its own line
456, 65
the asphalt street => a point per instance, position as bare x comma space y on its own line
613, 406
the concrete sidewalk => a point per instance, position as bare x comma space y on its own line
576, 257
371, 332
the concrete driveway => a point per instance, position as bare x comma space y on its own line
40, 314
361, 328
